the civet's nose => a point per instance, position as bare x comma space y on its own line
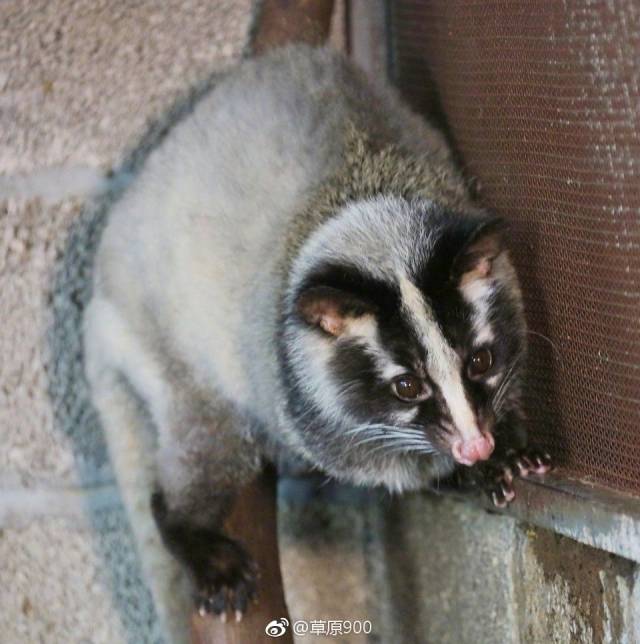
477, 449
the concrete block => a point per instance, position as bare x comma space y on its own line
66, 582
323, 563
447, 571
442, 572
80, 79
420, 568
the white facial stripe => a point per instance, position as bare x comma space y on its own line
443, 363
312, 355
364, 326
366, 329
477, 294
390, 370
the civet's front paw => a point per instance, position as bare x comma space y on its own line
499, 473
224, 575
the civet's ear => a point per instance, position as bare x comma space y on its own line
330, 309
475, 259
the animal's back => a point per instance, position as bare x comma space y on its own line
201, 232
205, 216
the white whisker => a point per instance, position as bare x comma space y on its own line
498, 396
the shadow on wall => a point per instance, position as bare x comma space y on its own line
69, 391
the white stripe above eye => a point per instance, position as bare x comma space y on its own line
477, 294
385, 364
443, 363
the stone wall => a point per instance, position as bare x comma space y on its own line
80, 83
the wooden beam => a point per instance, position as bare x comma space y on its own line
254, 523
286, 21
367, 36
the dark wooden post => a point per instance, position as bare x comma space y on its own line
286, 21
253, 521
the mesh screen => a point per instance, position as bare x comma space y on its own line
542, 101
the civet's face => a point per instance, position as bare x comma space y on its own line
405, 340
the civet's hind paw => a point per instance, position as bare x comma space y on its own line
223, 572
225, 577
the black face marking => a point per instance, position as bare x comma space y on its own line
505, 319
450, 254
366, 395
380, 295
400, 341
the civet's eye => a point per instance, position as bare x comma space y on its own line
480, 362
408, 387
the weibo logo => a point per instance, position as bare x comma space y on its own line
277, 627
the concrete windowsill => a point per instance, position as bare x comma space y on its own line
590, 514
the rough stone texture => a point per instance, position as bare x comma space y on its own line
81, 85
447, 572
57, 589
80, 79
570, 592
32, 237
428, 569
